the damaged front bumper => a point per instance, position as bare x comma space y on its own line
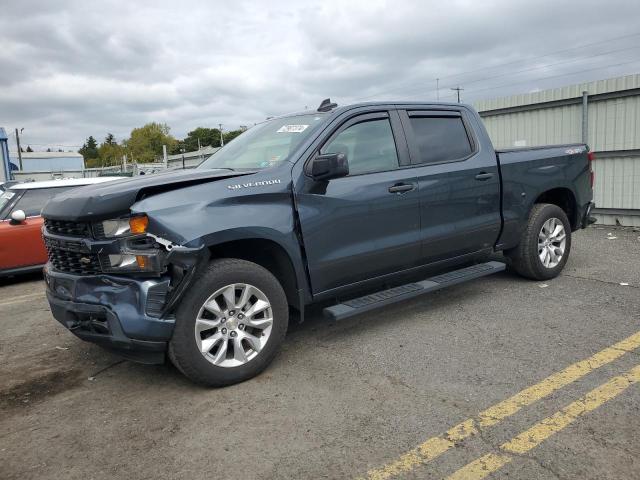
127, 314
118, 313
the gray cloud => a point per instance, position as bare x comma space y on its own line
70, 69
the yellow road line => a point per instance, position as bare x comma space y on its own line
23, 298
436, 446
534, 436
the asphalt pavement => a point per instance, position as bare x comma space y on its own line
500, 378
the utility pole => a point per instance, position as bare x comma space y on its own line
438, 89
458, 89
221, 137
19, 149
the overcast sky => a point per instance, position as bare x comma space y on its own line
69, 69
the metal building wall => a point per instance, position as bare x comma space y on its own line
613, 133
54, 164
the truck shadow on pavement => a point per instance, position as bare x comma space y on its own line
84, 364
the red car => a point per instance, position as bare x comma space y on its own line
21, 245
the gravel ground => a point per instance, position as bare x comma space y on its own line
342, 398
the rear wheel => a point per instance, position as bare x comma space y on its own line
544, 244
230, 325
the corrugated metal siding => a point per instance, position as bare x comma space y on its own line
617, 182
562, 93
624, 220
613, 126
536, 127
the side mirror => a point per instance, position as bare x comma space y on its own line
17, 217
328, 166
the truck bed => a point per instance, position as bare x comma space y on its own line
525, 172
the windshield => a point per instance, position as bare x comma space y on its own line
265, 145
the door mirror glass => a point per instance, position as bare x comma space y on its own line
18, 216
329, 166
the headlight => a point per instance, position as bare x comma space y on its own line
131, 262
120, 227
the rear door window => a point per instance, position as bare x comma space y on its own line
440, 139
34, 199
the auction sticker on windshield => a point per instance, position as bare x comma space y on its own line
292, 128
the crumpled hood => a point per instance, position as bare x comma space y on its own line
109, 199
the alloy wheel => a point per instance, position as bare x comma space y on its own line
233, 325
552, 242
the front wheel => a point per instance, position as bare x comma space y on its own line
230, 325
544, 244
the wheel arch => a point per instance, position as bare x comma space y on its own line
565, 199
268, 254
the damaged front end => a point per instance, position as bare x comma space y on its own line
114, 282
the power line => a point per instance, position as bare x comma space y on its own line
538, 67
504, 64
551, 76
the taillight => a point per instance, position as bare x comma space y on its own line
591, 157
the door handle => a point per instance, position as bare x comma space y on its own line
484, 176
401, 187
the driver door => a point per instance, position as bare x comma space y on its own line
366, 225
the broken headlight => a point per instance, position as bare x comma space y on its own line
122, 227
131, 262
137, 252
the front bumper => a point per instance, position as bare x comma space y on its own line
114, 312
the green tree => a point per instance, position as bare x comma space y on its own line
228, 136
207, 137
110, 139
145, 143
110, 152
89, 149
29, 149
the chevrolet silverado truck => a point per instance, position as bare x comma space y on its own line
354, 207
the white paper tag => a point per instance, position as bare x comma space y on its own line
292, 128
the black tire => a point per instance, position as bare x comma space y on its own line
183, 350
524, 258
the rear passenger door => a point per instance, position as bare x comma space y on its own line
459, 184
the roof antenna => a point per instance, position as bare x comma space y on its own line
326, 105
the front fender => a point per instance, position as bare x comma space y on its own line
211, 214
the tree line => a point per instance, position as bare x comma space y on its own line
145, 143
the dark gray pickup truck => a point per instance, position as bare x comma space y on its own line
354, 207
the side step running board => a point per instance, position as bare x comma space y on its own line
404, 292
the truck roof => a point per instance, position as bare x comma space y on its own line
342, 108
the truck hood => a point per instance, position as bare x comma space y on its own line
111, 199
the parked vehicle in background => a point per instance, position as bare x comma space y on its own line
21, 244
5, 185
394, 198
